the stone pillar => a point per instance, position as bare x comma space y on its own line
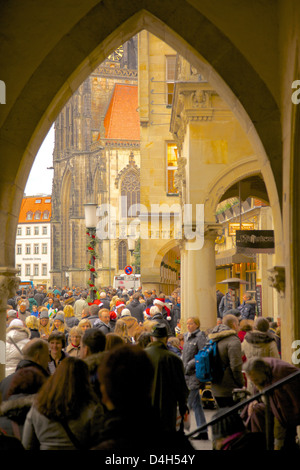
198, 280
8, 286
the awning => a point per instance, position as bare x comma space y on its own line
232, 257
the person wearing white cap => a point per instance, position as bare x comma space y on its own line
10, 316
17, 336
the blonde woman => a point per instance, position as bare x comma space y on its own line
113, 302
73, 348
84, 324
32, 323
70, 319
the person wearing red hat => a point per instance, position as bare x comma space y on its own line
165, 311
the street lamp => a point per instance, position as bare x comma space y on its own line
131, 248
131, 245
90, 212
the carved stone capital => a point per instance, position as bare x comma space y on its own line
277, 279
212, 231
9, 283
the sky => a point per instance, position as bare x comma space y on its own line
40, 178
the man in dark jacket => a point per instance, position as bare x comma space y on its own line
194, 340
136, 308
36, 355
156, 315
169, 388
247, 308
103, 323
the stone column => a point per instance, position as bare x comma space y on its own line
8, 286
198, 279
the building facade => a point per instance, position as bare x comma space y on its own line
33, 240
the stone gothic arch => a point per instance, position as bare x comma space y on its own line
90, 31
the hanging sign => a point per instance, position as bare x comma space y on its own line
255, 241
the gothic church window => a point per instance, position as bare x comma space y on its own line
130, 192
122, 255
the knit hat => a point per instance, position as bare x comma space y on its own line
16, 322
44, 314
60, 317
126, 312
12, 314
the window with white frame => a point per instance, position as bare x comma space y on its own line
27, 270
19, 269
19, 231
45, 231
28, 249
19, 249
44, 269
28, 230
36, 248
36, 230
36, 269
44, 248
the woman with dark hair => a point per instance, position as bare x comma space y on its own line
113, 340
66, 414
24, 385
57, 343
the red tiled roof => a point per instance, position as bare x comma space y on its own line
35, 205
122, 118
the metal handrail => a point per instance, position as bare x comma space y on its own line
243, 403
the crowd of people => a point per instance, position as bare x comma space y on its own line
81, 373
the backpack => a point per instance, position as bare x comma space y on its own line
208, 363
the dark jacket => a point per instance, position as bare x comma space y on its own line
5, 383
248, 310
193, 342
100, 325
39, 297
13, 414
121, 432
137, 310
229, 348
227, 304
169, 387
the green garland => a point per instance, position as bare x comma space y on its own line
91, 250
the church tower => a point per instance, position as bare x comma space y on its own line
96, 150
